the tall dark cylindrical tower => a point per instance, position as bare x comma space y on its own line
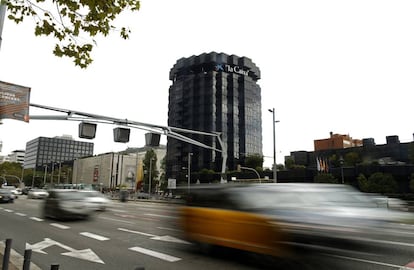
214, 92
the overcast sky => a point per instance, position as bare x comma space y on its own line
345, 67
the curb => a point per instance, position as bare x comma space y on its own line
16, 259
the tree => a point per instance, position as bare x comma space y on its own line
164, 182
254, 161
325, 178
411, 153
10, 172
70, 21
352, 158
362, 182
378, 183
150, 162
412, 182
290, 162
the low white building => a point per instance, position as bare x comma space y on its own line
111, 170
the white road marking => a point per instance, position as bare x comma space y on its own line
168, 238
119, 220
117, 210
36, 219
164, 216
165, 238
366, 261
136, 232
84, 254
385, 242
94, 236
155, 254
8, 210
60, 226
21, 214
168, 229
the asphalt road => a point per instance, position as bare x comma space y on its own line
145, 235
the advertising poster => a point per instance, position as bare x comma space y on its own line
14, 101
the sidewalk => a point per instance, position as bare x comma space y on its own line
16, 260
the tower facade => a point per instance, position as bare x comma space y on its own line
214, 92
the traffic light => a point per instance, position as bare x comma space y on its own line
152, 139
121, 135
87, 130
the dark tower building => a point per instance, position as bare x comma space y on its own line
214, 92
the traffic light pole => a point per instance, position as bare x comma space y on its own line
168, 131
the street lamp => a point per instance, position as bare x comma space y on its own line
150, 171
60, 171
274, 145
341, 161
44, 177
189, 170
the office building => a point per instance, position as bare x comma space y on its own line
43, 151
214, 92
16, 156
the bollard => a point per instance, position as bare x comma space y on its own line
54, 267
6, 256
27, 257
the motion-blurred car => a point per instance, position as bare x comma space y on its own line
25, 190
16, 192
99, 201
37, 193
279, 219
67, 204
6, 196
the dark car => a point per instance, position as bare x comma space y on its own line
6, 196
67, 204
282, 220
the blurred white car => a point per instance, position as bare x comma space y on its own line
37, 193
98, 200
16, 192
67, 204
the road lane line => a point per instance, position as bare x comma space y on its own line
385, 242
365, 261
60, 226
36, 219
136, 232
169, 229
8, 210
118, 220
94, 236
157, 215
21, 214
155, 254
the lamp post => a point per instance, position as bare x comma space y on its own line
60, 171
44, 177
149, 176
189, 170
341, 161
274, 145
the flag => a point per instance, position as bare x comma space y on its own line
318, 164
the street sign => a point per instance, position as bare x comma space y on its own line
172, 183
